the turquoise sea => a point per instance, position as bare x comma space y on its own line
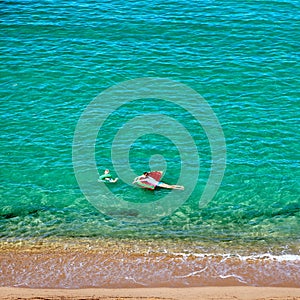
242, 57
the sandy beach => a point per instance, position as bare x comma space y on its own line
112, 265
203, 293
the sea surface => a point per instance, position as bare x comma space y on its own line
242, 57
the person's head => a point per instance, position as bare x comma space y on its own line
146, 174
106, 171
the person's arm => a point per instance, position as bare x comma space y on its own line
136, 179
139, 178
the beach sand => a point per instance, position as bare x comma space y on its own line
63, 271
202, 293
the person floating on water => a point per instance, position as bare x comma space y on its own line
107, 177
146, 177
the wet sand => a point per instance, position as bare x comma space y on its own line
125, 265
59, 271
203, 293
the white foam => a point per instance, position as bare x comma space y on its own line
239, 278
267, 256
192, 273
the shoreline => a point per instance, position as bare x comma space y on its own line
203, 293
127, 265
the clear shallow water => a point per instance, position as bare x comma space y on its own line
241, 57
